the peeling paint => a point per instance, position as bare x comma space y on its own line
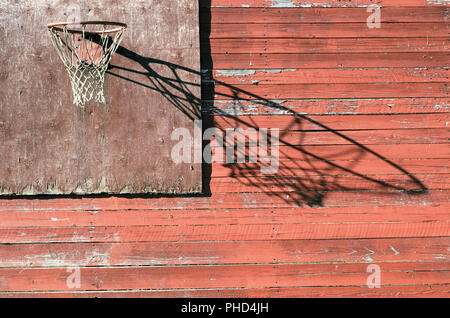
316, 106
394, 250
276, 71
439, 2
78, 238
56, 219
4, 283
52, 188
247, 72
236, 72
300, 4
27, 190
101, 186
368, 258
5, 191
65, 258
125, 189
282, 4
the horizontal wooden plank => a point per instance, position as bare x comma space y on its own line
323, 3
231, 201
296, 183
332, 60
224, 215
239, 107
366, 137
397, 291
370, 170
322, 161
329, 30
226, 232
318, 46
232, 276
321, 15
328, 76
215, 253
335, 122
379, 90
290, 152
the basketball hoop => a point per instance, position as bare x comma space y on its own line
86, 48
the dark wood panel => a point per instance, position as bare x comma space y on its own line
50, 146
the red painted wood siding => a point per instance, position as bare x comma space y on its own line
363, 176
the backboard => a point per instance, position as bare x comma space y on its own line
50, 146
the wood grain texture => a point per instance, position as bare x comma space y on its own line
335, 123
215, 253
363, 174
231, 276
332, 30
398, 291
238, 200
328, 76
378, 90
259, 15
322, 4
246, 216
50, 146
330, 60
334, 106
331, 45
226, 232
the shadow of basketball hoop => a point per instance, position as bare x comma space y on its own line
306, 176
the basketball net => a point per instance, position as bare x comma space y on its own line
86, 56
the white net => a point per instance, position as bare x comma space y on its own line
86, 52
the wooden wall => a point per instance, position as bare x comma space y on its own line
363, 175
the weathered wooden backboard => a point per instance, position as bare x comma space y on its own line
50, 146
